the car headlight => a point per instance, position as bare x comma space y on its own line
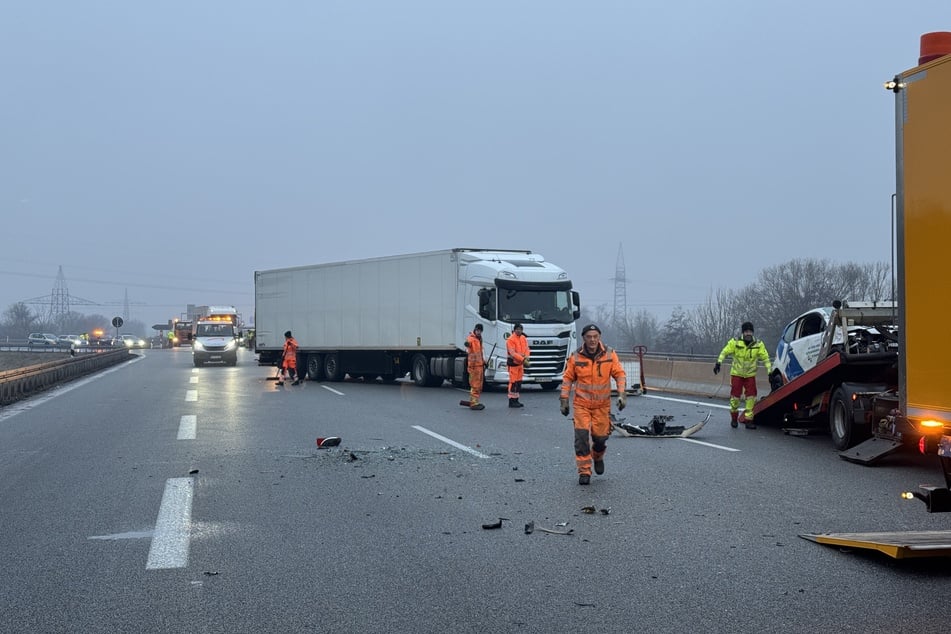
231, 345
196, 345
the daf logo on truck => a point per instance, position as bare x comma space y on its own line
542, 342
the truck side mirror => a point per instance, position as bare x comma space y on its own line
576, 300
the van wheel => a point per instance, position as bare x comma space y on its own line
315, 367
332, 369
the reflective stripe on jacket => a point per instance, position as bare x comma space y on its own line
745, 356
591, 377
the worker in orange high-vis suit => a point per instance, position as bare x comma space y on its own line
289, 360
589, 371
475, 364
516, 347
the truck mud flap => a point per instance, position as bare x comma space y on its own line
871, 450
898, 545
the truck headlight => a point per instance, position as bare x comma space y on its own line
231, 345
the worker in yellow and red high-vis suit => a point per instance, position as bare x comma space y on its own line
589, 371
746, 351
475, 364
516, 347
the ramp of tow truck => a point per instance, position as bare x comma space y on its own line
780, 400
826, 373
897, 545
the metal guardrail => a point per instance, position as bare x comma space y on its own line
22, 382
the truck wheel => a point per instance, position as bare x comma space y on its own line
841, 425
315, 367
421, 374
332, 369
550, 386
420, 370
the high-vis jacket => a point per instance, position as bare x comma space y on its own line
474, 345
745, 356
290, 351
591, 377
517, 348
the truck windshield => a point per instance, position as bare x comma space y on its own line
535, 306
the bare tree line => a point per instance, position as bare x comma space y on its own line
780, 294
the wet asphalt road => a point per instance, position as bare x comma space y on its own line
154, 497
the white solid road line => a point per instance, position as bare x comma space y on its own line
450, 442
330, 389
683, 400
191, 395
170, 540
709, 444
188, 427
193, 379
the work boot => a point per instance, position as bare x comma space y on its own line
280, 382
296, 382
751, 425
477, 406
584, 478
513, 402
734, 419
599, 466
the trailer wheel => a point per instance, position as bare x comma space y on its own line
841, 425
332, 369
315, 367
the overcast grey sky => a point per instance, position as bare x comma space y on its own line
170, 149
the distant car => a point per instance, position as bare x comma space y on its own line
131, 341
41, 339
70, 340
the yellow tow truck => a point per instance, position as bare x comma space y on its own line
923, 231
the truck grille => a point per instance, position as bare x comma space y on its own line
547, 361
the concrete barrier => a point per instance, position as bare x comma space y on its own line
695, 378
22, 382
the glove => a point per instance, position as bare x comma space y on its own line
716, 368
564, 407
621, 400
525, 362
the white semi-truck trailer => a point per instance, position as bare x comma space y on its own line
385, 317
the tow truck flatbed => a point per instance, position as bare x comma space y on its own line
826, 373
897, 545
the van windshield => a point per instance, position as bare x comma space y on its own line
214, 330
